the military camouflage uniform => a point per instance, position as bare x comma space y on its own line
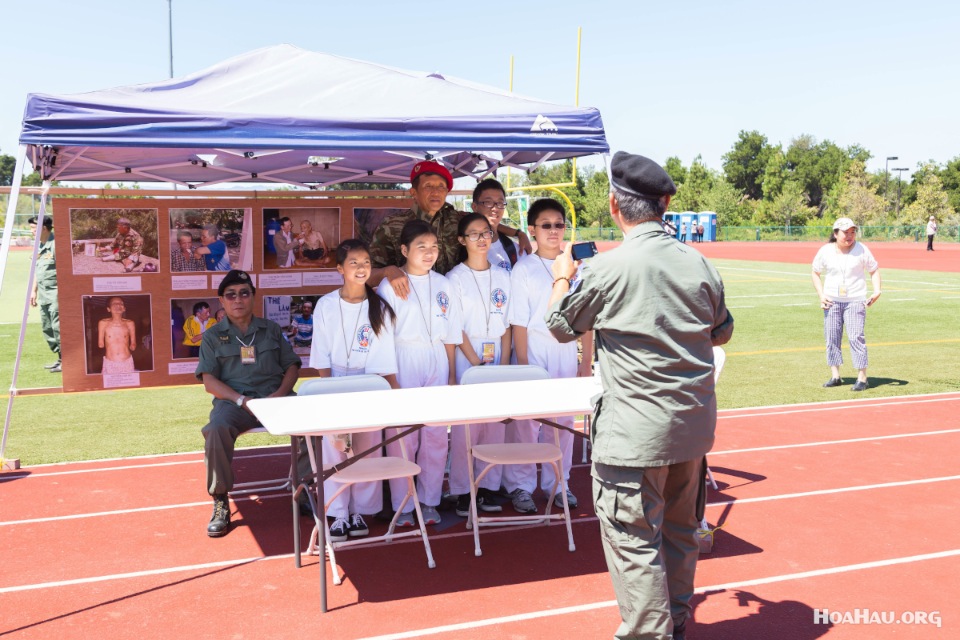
385, 246
47, 294
128, 246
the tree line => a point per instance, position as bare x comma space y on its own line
809, 182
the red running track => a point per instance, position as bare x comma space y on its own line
840, 506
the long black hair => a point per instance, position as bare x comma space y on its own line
378, 309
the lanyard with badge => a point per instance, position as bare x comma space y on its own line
248, 354
842, 289
488, 349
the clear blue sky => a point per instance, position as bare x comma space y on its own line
669, 78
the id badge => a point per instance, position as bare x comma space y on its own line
489, 352
843, 291
248, 355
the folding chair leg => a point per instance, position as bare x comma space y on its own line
713, 483
412, 492
562, 485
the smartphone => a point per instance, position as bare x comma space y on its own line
584, 250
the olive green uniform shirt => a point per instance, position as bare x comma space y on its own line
385, 245
220, 356
657, 309
47, 272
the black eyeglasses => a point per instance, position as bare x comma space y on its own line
490, 204
548, 226
243, 294
476, 235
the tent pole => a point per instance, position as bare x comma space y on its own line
23, 329
12, 211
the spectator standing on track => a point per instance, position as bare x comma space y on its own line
843, 297
657, 311
931, 231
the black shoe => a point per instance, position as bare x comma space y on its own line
358, 528
55, 368
859, 385
486, 503
52, 365
680, 631
339, 530
463, 505
833, 382
220, 522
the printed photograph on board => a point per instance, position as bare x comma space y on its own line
118, 333
210, 240
189, 320
300, 237
107, 242
294, 314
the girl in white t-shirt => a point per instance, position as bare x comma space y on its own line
427, 334
483, 290
843, 298
353, 334
531, 284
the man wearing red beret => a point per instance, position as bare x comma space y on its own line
430, 183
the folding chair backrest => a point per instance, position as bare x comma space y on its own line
504, 373
719, 359
345, 384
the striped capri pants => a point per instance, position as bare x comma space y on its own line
853, 315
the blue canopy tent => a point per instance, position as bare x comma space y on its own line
285, 115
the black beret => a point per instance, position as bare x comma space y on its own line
235, 276
47, 221
640, 176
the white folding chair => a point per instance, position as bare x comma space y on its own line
361, 470
263, 486
513, 453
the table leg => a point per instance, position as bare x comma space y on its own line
296, 481
321, 526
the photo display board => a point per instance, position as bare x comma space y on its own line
138, 277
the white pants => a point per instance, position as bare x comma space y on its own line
421, 366
560, 361
484, 433
363, 497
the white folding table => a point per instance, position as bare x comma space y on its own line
410, 409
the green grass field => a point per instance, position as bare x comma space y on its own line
776, 357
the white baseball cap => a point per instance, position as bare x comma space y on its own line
842, 224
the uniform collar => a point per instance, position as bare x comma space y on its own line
650, 227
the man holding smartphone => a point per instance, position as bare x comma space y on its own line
658, 310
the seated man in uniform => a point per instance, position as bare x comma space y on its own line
242, 358
117, 335
126, 246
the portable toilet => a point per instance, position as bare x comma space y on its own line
709, 221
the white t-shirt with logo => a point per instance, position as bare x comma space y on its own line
846, 273
344, 341
531, 284
484, 300
430, 302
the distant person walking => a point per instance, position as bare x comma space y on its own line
683, 232
931, 231
843, 297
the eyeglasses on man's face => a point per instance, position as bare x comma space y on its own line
547, 226
243, 294
493, 204
476, 235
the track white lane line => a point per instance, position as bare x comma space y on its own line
838, 405
533, 615
826, 492
823, 443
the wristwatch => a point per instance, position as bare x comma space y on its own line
240, 401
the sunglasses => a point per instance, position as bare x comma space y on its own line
243, 294
548, 226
